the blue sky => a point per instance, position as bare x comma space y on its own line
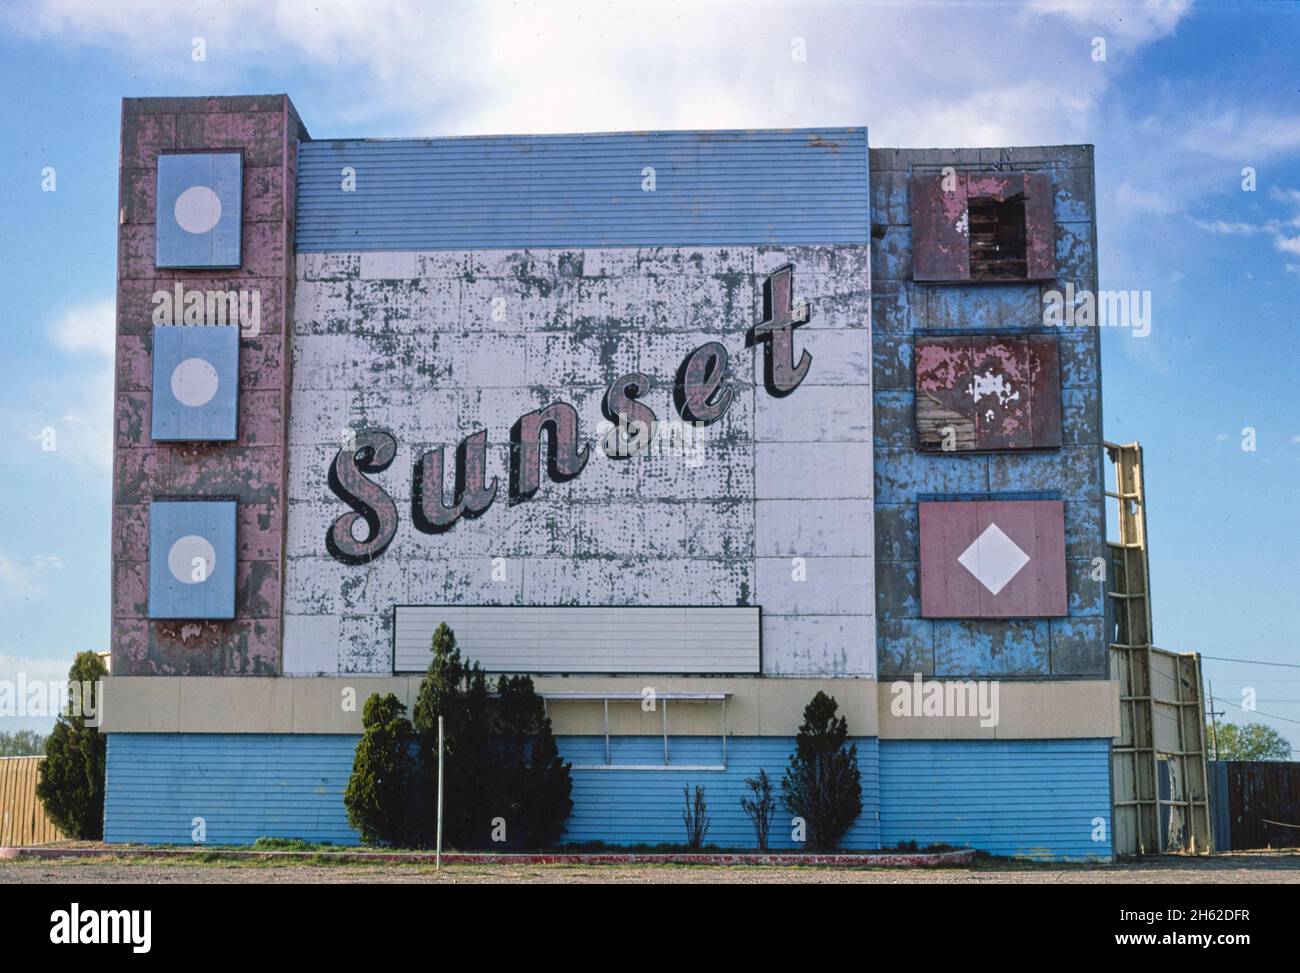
1186, 97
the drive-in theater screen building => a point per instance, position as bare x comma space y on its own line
726, 417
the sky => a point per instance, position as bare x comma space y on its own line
1186, 99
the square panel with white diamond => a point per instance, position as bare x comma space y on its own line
992, 559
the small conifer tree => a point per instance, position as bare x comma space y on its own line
533, 783
378, 790
70, 781
822, 785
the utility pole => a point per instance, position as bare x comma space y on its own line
1214, 722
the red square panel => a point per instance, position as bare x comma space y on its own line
993, 559
979, 392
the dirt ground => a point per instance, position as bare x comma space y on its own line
1255, 868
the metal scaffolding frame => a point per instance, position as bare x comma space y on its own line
1159, 782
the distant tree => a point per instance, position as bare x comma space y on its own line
759, 805
822, 785
695, 816
1254, 741
458, 693
532, 781
70, 780
22, 743
378, 790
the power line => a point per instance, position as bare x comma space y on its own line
1271, 716
1252, 662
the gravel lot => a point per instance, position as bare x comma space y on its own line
1260, 867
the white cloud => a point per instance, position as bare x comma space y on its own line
1277, 227
19, 581
87, 328
76, 407
1286, 244
1229, 228
916, 74
46, 670
1145, 200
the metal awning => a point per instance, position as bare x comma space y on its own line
661, 702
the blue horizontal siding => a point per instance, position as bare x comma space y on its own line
1023, 798
244, 785
645, 806
1027, 798
798, 186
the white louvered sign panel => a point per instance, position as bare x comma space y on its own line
586, 639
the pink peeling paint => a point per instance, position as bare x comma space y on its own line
252, 469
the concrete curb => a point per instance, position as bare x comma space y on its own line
883, 860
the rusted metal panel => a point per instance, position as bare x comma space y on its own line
988, 393
989, 226
1043, 360
940, 227
992, 559
1040, 226
22, 815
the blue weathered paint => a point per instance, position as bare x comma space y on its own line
1023, 798
723, 187
902, 308
204, 230
206, 353
179, 587
1026, 797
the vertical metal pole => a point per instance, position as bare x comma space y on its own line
437, 858
1214, 723
665, 716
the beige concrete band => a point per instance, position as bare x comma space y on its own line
1081, 709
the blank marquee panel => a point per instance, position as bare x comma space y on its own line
585, 639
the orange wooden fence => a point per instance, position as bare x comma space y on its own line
22, 816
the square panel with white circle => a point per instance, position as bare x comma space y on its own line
199, 216
192, 559
195, 383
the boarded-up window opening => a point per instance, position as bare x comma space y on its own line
997, 238
982, 226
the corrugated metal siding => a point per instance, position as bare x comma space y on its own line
767, 186
645, 806
22, 815
585, 639
244, 786
1031, 798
